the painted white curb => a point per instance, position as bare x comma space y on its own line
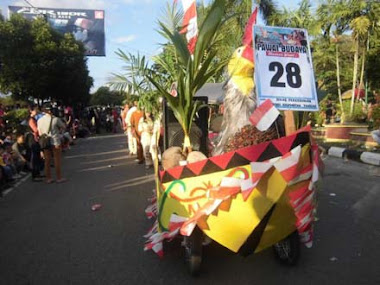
370, 158
336, 151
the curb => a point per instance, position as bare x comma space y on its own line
360, 156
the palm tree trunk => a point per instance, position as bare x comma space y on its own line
361, 82
356, 59
187, 144
338, 77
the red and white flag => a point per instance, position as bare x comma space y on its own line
307, 236
287, 166
176, 222
258, 170
190, 25
264, 115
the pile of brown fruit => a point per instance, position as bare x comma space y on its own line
248, 136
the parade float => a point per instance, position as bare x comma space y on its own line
257, 188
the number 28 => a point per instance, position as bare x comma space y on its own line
293, 76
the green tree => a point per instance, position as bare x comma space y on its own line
360, 26
334, 16
301, 17
106, 97
39, 63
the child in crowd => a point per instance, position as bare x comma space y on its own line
8, 160
21, 157
6, 168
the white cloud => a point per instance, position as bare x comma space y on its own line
81, 4
136, 1
125, 39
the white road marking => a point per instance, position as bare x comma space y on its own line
18, 183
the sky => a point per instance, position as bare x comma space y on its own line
130, 25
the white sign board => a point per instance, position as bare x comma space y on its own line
283, 68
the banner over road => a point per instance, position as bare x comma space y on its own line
87, 26
283, 68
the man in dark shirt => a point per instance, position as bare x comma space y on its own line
36, 159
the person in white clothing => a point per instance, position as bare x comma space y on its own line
146, 130
132, 143
154, 145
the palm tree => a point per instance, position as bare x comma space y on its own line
192, 71
302, 17
359, 26
372, 12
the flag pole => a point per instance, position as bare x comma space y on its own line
290, 126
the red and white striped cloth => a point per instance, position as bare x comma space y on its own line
151, 211
188, 227
155, 238
287, 166
264, 115
190, 25
258, 170
302, 201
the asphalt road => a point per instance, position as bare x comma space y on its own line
50, 235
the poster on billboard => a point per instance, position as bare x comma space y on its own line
283, 68
87, 26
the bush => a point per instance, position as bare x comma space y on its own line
359, 115
320, 116
14, 118
376, 117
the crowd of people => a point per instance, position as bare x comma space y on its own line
142, 131
21, 152
25, 152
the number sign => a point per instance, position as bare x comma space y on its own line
283, 68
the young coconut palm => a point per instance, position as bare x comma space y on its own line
192, 71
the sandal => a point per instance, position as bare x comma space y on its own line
49, 181
62, 180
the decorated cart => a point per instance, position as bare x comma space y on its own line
257, 190
246, 200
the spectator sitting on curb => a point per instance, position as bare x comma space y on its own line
376, 135
8, 160
7, 170
19, 153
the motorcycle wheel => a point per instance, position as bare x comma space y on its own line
193, 251
288, 250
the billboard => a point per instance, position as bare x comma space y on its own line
87, 26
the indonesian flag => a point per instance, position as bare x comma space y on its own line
188, 226
258, 169
190, 25
264, 116
288, 164
176, 222
307, 236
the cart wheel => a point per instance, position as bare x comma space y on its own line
287, 251
193, 251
